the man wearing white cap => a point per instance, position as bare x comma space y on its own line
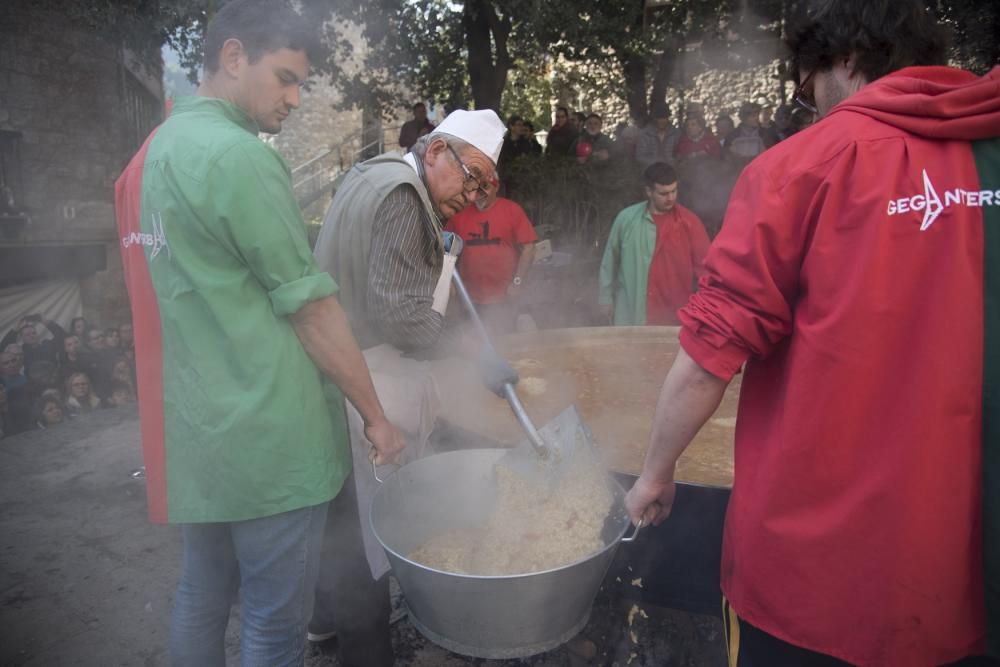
382, 241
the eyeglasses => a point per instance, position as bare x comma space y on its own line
471, 183
804, 99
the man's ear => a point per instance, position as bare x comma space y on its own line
232, 57
435, 151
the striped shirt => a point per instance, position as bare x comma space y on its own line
404, 266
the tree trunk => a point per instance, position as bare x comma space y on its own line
486, 32
664, 72
634, 67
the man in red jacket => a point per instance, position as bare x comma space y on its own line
857, 278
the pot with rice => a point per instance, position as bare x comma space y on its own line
493, 564
466, 541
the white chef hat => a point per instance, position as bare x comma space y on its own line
481, 128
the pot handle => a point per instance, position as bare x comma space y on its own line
635, 533
375, 473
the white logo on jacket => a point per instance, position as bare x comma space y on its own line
157, 240
932, 205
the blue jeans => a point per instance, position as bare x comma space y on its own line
275, 561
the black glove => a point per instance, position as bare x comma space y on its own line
496, 372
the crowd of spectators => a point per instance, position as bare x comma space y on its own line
584, 169
656, 138
49, 373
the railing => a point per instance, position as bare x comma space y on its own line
315, 178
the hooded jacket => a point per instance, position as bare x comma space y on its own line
856, 277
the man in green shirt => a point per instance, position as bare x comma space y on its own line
240, 449
653, 256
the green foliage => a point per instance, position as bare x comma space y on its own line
577, 202
974, 30
529, 94
508, 53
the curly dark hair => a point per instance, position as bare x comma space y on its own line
262, 26
884, 36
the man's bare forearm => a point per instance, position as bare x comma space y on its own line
525, 261
326, 335
689, 397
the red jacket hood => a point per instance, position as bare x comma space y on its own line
933, 102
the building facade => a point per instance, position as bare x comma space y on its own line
74, 108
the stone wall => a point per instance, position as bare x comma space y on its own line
723, 91
83, 106
585, 88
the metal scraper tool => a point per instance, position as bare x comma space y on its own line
563, 443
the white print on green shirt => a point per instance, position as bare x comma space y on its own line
157, 240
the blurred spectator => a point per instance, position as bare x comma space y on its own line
783, 122
32, 345
10, 371
627, 137
94, 341
593, 147
74, 359
416, 128
529, 135
498, 253
653, 257
765, 117
746, 141
41, 377
122, 372
518, 141
517, 144
127, 335
801, 119
706, 182
657, 141
78, 326
112, 338
128, 342
121, 394
576, 121
561, 135
80, 396
47, 412
99, 358
723, 128
697, 140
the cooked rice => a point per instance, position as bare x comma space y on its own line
535, 526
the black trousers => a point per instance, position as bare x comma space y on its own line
749, 646
348, 600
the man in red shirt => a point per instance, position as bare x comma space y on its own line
498, 252
856, 277
653, 256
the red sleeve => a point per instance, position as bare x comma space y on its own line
743, 306
523, 231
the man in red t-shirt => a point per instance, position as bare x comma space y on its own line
499, 249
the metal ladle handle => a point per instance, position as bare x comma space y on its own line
635, 533
508, 389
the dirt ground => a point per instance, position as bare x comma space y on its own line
85, 579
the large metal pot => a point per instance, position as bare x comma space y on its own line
481, 616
